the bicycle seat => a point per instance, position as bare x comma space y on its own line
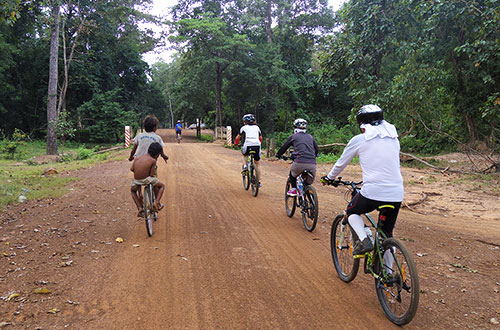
252, 152
306, 173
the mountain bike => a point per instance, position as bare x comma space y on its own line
150, 213
390, 263
306, 199
250, 176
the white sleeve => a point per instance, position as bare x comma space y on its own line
350, 151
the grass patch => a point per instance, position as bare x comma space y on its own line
332, 158
488, 183
27, 179
206, 138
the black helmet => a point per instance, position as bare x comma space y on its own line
300, 123
249, 118
369, 114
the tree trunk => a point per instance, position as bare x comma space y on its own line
52, 89
218, 91
270, 90
462, 90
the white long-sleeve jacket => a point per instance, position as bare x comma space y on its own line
378, 153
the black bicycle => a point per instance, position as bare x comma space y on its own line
306, 199
250, 175
390, 263
150, 213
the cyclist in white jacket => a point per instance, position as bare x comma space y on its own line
378, 149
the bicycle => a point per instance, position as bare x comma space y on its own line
250, 176
150, 213
397, 285
307, 200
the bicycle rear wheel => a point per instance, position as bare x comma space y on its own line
310, 208
148, 209
246, 180
254, 179
341, 245
399, 291
290, 201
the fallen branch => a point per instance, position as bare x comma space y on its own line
110, 149
332, 145
488, 243
421, 200
441, 169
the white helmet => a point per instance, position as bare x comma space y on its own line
249, 118
300, 123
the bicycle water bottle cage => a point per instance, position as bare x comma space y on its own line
382, 211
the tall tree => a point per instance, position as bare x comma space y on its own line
53, 74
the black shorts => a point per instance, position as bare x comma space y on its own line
179, 132
246, 150
387, 216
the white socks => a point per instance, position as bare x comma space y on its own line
389, 260
356, 222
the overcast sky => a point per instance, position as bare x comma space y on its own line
160, 8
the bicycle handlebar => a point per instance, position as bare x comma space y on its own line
336, 182
286, 157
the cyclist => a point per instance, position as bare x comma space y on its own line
144, 168
178, 129
251, 137
304, 155
378, 149
142, 141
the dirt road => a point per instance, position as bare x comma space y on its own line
220, 258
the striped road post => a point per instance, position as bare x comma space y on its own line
127, 136
229, 136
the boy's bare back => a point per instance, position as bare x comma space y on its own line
143, 166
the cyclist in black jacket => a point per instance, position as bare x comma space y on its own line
305, 152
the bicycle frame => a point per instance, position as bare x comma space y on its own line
380, 236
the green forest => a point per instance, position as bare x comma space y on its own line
73, 69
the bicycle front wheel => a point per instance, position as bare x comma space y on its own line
397, 287
254, 180
310, 208
341, 245
148, 209
290, 201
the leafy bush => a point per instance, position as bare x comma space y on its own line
11, 144
106, 117
84, 153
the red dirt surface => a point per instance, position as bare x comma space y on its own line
220, 258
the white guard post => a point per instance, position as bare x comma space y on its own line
229, 136
127, 136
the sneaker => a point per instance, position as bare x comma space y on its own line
362, 247
244, 170
260, 184
292, 192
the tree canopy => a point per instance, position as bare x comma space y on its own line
432, 65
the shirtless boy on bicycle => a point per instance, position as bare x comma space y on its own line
144, 168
